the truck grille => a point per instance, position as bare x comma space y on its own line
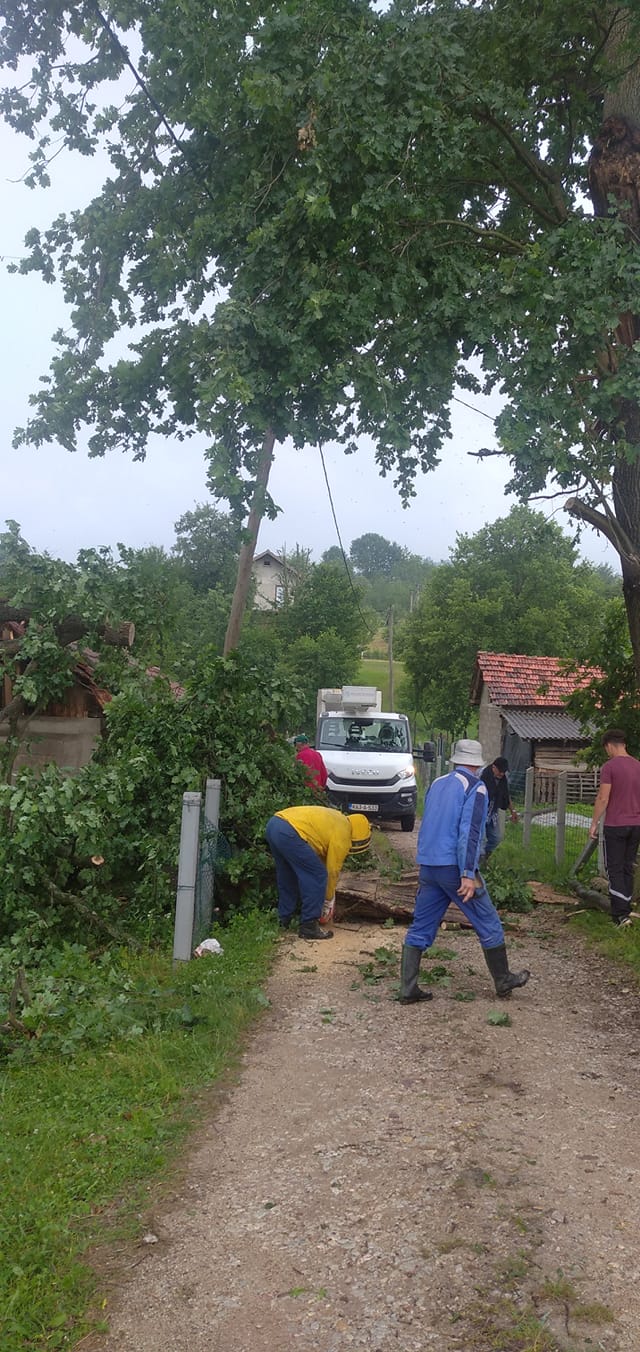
358, 784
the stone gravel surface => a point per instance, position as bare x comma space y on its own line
405, 1179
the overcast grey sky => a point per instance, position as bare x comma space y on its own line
66, 502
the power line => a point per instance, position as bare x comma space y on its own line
120, 47
342, 550
473, 408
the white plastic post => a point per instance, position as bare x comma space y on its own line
187, 873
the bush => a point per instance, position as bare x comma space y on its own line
507, 888
124, 807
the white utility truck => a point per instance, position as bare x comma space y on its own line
368, 755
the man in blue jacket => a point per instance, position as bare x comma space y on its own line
449, 843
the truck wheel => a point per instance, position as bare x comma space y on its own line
407, 823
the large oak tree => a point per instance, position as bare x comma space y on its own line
319, 213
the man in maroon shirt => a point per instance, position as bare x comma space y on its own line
316, 768
619, 799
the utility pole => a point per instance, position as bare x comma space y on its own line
392, 706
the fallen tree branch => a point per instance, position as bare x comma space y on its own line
73, 627
87, 912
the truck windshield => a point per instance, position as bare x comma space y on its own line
363, 734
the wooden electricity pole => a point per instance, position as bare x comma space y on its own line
390, 643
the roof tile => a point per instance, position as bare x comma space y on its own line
516, 680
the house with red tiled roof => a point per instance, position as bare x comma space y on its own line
523, 714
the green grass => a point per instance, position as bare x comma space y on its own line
375, 671
83, 1135
538, 859
622, 945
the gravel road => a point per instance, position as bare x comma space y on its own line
405, 1179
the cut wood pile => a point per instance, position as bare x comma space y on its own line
370, 896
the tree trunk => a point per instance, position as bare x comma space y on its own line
245, 561
626, 501
614, 172
70, 629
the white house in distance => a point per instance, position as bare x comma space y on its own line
273, 577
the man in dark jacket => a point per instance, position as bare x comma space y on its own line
495, 778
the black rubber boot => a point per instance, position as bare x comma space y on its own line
410, 992
505, 981
310, 929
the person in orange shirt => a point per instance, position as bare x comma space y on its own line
309, 846
316, 773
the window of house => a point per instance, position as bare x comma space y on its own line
279, 596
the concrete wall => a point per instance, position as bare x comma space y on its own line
489, 728
68, 742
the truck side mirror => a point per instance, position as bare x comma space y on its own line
429, 752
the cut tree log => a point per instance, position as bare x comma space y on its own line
69, 630
371, 897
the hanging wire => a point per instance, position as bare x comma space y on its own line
120, 47
473, 408
342, 549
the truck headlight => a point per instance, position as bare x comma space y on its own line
407, 773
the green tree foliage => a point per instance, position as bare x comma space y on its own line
373, 556
333, 555
207, 544
515, 586
241, 201
315, 639
383, 193
125, 805
610, 698
324, 601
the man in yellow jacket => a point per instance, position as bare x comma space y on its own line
309, 846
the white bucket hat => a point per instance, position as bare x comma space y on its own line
467, 752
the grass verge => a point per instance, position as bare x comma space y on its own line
375, 671
83, 1134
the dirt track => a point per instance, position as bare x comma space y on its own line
402, 1179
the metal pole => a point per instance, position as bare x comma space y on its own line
187, 873
561, 817
528, 806
212, 802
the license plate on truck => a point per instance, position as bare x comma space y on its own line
363, 807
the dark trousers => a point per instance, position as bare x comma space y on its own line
620, 850
300, 872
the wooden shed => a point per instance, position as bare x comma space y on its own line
523, 714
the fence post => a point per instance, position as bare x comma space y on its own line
561, 817
601, 864
212, 802
187, 873
528, 806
